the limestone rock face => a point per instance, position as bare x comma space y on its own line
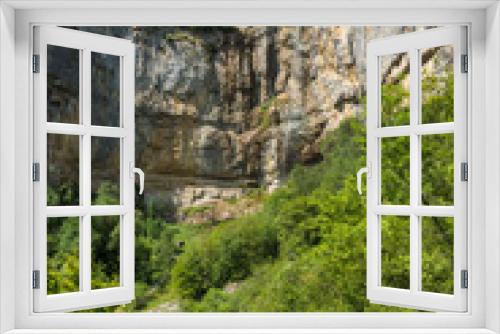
232, 108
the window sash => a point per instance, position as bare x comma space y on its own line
411, 44
85, 297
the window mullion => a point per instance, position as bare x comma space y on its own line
85, 241
420, 129
415, 242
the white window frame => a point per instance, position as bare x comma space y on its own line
412, 45
17, 18
85, 43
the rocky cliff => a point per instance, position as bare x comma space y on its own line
223, 109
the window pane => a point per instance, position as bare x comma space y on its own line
105, 170
437, 84
437, 169
63, 169
395, 170
105, 74
63, 84
395, 89
105, 252
63, 255
437, 254
395, 251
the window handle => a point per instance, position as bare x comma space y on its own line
135, 170
359, 175
141, 179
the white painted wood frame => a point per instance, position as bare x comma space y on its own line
17, 18
412, 45
86, 43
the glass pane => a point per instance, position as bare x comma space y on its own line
105, 170
437, 254
105, 252
437, 169
63, 169
395, 170
395, 251
63, 267
395, 89
105, 74
63, 84
437, 84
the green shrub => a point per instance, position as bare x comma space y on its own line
226, 254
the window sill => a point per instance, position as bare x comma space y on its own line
254, 331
